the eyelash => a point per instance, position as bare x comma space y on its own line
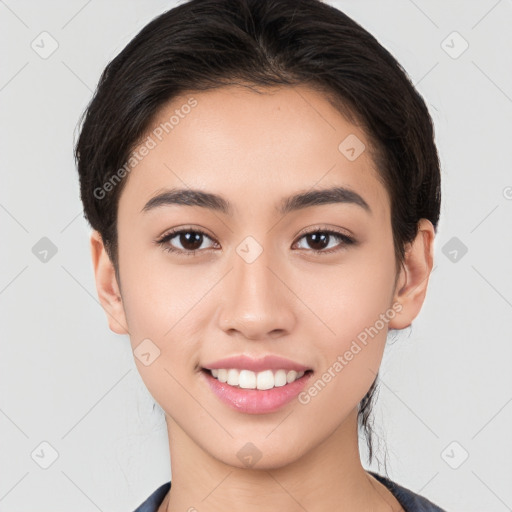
163, 241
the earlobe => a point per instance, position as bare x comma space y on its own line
107, 286
412, 283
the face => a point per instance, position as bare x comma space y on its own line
310, 282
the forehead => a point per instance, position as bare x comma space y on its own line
252, 146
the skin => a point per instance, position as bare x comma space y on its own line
255, 149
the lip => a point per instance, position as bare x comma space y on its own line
268, 362
255, 401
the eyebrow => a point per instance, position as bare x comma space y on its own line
194, 197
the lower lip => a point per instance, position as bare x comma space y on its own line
256, 401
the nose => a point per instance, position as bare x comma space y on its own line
256, 302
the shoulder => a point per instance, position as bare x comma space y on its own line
410, 501
152, 503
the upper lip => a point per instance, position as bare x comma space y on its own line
268, 362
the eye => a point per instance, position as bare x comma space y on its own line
320, 240
190, 241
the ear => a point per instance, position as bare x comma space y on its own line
412, 282
106, 285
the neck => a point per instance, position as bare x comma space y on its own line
328, 477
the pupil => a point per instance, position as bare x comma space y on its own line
315, 237
191, 239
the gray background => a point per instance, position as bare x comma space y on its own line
68, 381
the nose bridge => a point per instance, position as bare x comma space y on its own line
251, 271
255, 303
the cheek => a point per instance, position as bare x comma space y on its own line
353, 296
161, 303
159, 293
355, 307
166, 316
168, 309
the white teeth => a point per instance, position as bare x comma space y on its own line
265, 380
233, 377
291, 376
248, 379
280, 378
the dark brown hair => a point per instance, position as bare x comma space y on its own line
205, 44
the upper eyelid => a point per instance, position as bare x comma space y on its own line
305, 231
173, 233
325, 229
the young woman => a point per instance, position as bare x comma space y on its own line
264, 189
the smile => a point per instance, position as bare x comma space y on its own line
248, 379
274, 392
